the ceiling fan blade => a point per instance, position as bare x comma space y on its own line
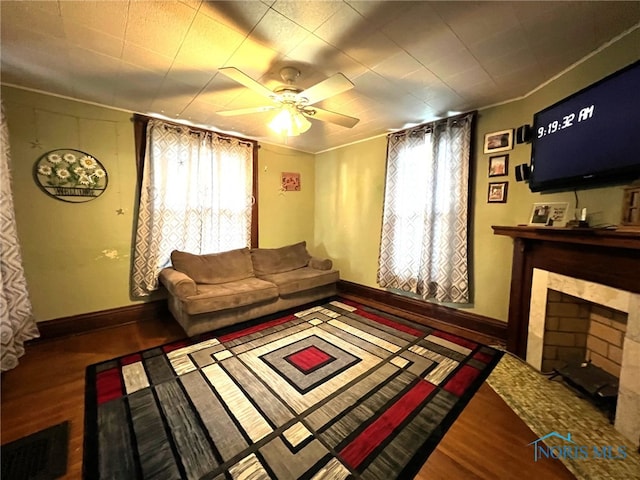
244, 111
333, 85
333, 117
244, 79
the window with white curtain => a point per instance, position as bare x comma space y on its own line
196, 196
423, 248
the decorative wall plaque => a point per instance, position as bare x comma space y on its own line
70, 175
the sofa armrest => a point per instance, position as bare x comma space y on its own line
178, 283
320, 263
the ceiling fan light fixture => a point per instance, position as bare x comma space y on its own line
289, 122
294, 105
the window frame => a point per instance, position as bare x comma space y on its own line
140, 137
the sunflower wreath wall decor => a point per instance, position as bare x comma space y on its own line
70, 175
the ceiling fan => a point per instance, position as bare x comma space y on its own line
294, 104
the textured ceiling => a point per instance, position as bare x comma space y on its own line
410, 62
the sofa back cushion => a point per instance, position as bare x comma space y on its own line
214, 268
267, 261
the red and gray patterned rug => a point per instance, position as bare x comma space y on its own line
335, 391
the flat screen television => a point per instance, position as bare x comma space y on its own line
590, 138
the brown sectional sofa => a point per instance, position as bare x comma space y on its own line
207, 292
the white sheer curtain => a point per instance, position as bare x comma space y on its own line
423, 247
196, 197
17, 323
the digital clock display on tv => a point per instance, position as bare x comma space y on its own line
566, 121
592, 135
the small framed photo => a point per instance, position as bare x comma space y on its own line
499, 165
498, 141
549, 214
497, 192
290, 182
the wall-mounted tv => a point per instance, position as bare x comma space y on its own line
590, 138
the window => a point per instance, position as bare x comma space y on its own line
196, 196
423, 248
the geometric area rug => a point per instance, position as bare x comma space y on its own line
335, 391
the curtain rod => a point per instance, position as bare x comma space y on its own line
194, 129
424, 127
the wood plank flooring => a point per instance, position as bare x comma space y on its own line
488, 441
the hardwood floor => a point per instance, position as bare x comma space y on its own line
487, 441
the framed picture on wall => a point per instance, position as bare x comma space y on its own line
291, 182
498, 141
497, 192
499, 165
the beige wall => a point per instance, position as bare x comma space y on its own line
285, 217
350, 183
77, 256
492, 254
349, 193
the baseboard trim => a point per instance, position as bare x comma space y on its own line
88, 322
485, 329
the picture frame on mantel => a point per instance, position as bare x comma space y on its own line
631, 209
551, 214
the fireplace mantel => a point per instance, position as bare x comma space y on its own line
608, 257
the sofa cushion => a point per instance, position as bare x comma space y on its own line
302, 279
214, 268
212, 298
277, 260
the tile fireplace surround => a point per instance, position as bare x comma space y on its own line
598, 266
627, 419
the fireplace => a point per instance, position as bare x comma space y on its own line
582, 345
544, 284
596, 266
578, 331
